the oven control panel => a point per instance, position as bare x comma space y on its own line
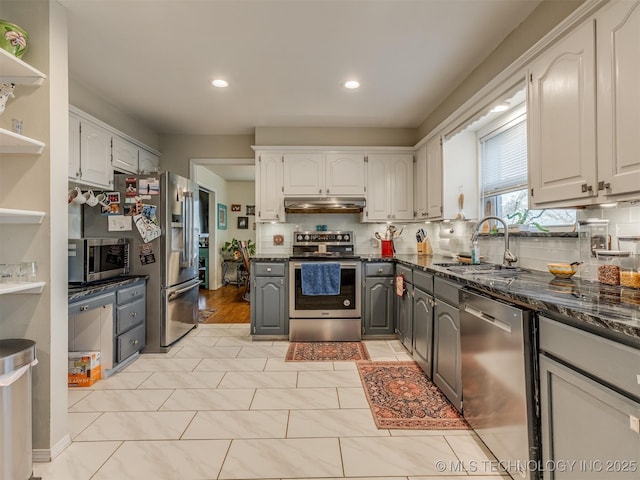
314, 238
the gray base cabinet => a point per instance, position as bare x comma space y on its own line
447, 357
423, 329
404, 317
269, 308
447, 365
589, 405
378, 306
130, 320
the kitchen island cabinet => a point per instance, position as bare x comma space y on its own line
269, 307
590, 404
379, 299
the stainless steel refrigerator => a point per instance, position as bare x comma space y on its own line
166, 205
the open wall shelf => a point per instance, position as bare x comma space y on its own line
10, 215
17, 71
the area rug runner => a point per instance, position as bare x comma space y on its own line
205, 313
401, 396
326, 351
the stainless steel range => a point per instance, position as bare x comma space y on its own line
325, 315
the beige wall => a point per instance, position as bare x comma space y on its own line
177, 150
39, 182
243, 193
335, 136
94, 104
546, 16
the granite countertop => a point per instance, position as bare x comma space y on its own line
603, 309
79, 291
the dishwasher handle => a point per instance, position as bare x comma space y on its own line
487, 318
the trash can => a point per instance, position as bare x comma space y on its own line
17, 356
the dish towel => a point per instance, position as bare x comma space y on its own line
320, 278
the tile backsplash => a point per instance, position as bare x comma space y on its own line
532, 252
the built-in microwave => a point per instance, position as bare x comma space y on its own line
93, 259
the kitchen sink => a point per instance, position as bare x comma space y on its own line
482, 268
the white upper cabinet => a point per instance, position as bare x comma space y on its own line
389, 186
344, 174
427, 181
562, 122
618, 44
420, 183
434, 178
89, 153
303, 174
323, 174
124, 156
148, 162
270, 200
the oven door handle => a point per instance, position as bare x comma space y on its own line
342, 264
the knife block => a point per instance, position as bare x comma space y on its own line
424, 247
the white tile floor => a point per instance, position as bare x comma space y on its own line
219, 406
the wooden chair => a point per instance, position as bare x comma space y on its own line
245, 259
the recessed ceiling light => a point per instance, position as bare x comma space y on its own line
351, 84
503, 107
219, 83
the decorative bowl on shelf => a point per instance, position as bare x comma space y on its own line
13, 39
562, 270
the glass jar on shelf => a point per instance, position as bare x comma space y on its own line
593, 234
630, 266
610, 264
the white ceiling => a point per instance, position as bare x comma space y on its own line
285, 60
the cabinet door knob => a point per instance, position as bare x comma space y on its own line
269, 269
327, 190
319, 190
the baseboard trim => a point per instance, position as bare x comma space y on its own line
42, 455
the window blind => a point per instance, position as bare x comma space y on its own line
504, 159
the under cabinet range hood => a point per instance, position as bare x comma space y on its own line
324, 205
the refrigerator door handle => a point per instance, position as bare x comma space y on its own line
177, 293
187, 226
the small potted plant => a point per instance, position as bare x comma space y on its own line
231, 250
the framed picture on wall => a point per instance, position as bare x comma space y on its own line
251, 209
236, 207
243, 222
222, 217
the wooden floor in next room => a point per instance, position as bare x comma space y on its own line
228, 304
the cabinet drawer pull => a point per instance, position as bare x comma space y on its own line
134, 293
380, 270
269, 269
133, 314
134, 342
84, 308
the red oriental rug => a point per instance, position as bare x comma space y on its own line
402, 396
326, 351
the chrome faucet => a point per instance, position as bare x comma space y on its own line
508, 257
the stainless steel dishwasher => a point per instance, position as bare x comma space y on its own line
499, 380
